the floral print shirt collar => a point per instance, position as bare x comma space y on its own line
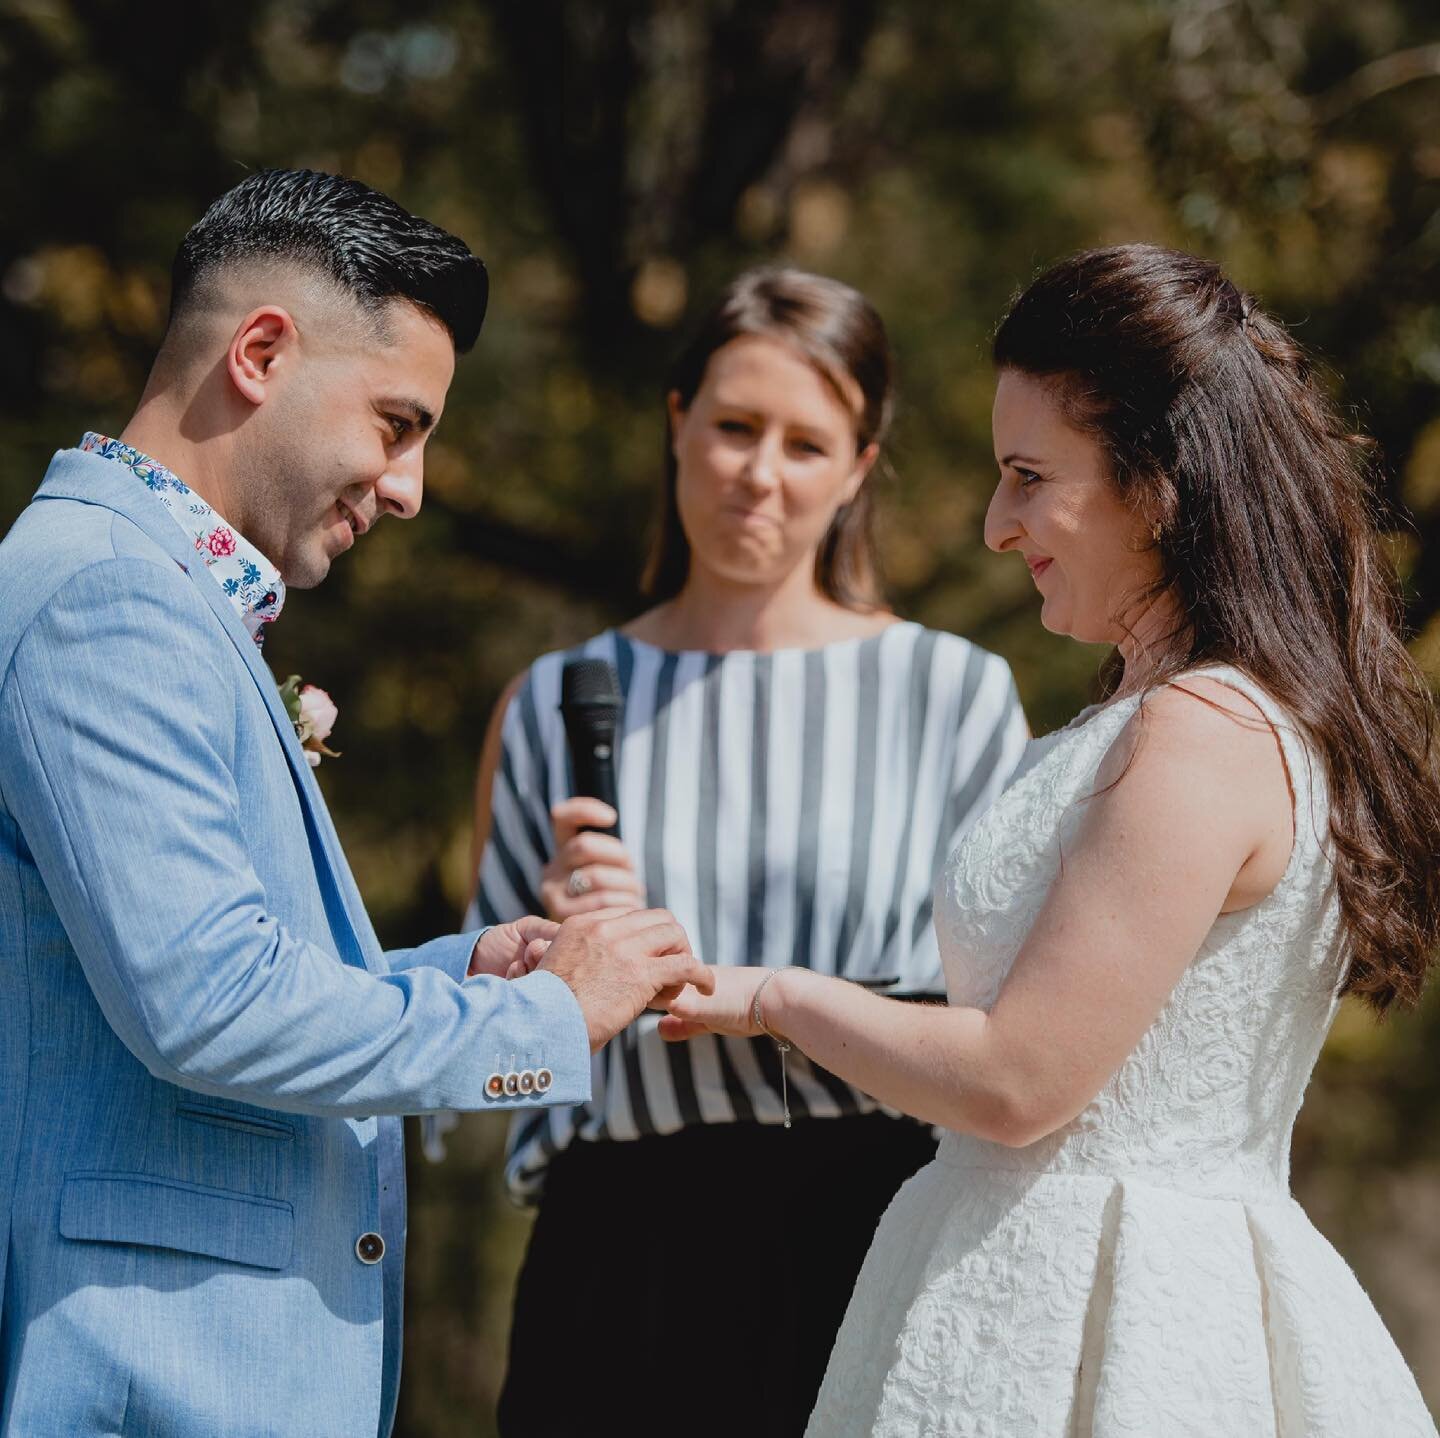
252, 582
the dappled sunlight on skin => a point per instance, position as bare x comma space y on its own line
766, 454
1056, 507
326, 417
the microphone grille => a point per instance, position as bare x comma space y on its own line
590, 684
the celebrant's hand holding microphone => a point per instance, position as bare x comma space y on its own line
590, 869
618, 957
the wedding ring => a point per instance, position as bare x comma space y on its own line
578, 885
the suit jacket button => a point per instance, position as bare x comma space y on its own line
369, 1248
512, 1084
527, 1081
543, 1079
494, 1086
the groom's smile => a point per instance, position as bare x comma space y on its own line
344, 445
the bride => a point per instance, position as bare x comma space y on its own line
1146, 937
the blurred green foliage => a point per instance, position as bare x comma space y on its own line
615, 163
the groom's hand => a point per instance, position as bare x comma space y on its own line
619, 963
509, 950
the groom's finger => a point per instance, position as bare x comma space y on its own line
657, 930
684, 968
532, 927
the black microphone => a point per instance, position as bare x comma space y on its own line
590, 703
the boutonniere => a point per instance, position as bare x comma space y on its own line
313, 713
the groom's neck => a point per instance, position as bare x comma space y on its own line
187, 436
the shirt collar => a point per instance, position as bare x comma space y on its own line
252, 583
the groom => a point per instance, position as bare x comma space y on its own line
201, 1042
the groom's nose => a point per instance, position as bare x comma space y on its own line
400, 489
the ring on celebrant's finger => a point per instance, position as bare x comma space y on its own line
578, 885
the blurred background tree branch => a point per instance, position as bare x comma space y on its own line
615, 163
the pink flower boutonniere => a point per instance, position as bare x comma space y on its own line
313, 713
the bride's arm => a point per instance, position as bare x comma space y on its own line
1199, 822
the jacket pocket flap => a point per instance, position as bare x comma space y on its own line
240, 1119
165, 1213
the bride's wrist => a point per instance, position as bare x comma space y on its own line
778, 1002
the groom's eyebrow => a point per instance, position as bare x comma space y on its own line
422, 417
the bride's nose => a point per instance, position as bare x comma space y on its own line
1002, 525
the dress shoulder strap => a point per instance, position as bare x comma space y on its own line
1303, 766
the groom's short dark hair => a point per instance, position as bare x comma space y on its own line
359, 239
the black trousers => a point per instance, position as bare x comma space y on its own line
693, 1284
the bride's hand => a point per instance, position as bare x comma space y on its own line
729, 1010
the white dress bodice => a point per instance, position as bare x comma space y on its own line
1143, 1271
1208, 1098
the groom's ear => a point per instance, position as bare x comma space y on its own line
263, 344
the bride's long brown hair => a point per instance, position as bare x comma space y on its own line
1263, 505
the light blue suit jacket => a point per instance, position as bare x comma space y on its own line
200, 1037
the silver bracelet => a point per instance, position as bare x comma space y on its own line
782, 1044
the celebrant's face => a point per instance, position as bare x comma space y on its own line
342, 444
765, 455
1056, 506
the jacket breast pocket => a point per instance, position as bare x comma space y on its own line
140, 1209
235, 1120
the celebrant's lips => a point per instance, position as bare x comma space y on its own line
1038, 564
750, 517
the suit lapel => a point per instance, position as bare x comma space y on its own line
77, 475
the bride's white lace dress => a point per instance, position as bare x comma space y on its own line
1143, 1271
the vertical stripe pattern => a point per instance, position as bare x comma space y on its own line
789, 808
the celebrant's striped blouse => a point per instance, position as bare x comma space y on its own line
789, 808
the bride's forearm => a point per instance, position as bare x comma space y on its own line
930, 1061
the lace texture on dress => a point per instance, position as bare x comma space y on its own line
1143, 1270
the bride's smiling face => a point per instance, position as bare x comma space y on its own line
1089, 553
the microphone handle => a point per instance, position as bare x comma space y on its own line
594, 762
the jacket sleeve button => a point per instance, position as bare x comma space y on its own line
543, 1079
369, 1248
